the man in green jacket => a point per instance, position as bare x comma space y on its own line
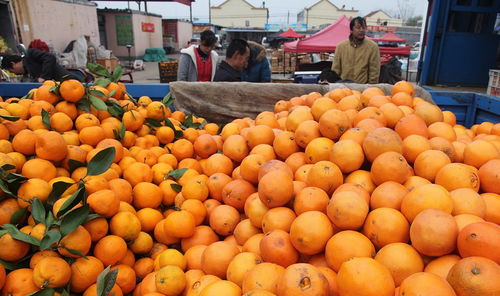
357, 59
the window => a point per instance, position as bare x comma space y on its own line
468, 22
485, 3
247, 23
464, 2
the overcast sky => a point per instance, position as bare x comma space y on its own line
279, 10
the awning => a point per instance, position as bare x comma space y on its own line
291, 34
390, 37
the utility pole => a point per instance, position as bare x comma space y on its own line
191, 13
307, 18
209, 12
288, 18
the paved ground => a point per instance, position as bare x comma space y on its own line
150, 74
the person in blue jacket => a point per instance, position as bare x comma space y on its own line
258, 69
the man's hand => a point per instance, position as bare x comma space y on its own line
40, 79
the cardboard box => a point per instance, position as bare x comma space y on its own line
110, 64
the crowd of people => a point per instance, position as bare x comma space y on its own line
356, 60
245, 61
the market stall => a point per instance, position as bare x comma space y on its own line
327, 39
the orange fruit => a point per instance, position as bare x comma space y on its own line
104, 202
403, 86
480, 239
50, 146
302, 279
180, 224
240, 265
430, 113
216, 258
426, 197
78, 240
125, 225
223, 219
51, 272
110, 249
355, 273
333, 123
474, 275
344, 245
413, 146
310, 199
458, 175
275, 196
12, 249
347, 210
441, 266
381, 140
325, 175
386, 225
411, 124
265, 276
434, 233
311, 240
19, 282
147, 195
390, 166
170, 280
276, 247
388, 195
401, 259
84, 273
489, 175
492, 201
348, 155
221, 287
424, 283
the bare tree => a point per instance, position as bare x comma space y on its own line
404, 10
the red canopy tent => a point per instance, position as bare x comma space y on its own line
327, 39
390, 37
290, 33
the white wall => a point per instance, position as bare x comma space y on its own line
238, 14
142, 40
184, 34
55, 22
145, 40
380, 17
325, 13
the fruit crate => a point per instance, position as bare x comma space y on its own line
168, 71
494, 83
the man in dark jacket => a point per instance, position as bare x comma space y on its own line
258, 66
237, 55
37, 64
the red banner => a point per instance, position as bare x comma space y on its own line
381, 28
148, 27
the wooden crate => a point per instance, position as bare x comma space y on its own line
168, 71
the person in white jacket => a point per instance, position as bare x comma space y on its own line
198, 63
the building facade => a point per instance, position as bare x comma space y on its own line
239, 14
176, 34
122, 27
55, 22
323, 12
381, 18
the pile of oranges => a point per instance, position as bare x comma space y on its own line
346, 193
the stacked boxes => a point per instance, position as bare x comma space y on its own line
282, 61
168, 71
110, 64
494, 84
